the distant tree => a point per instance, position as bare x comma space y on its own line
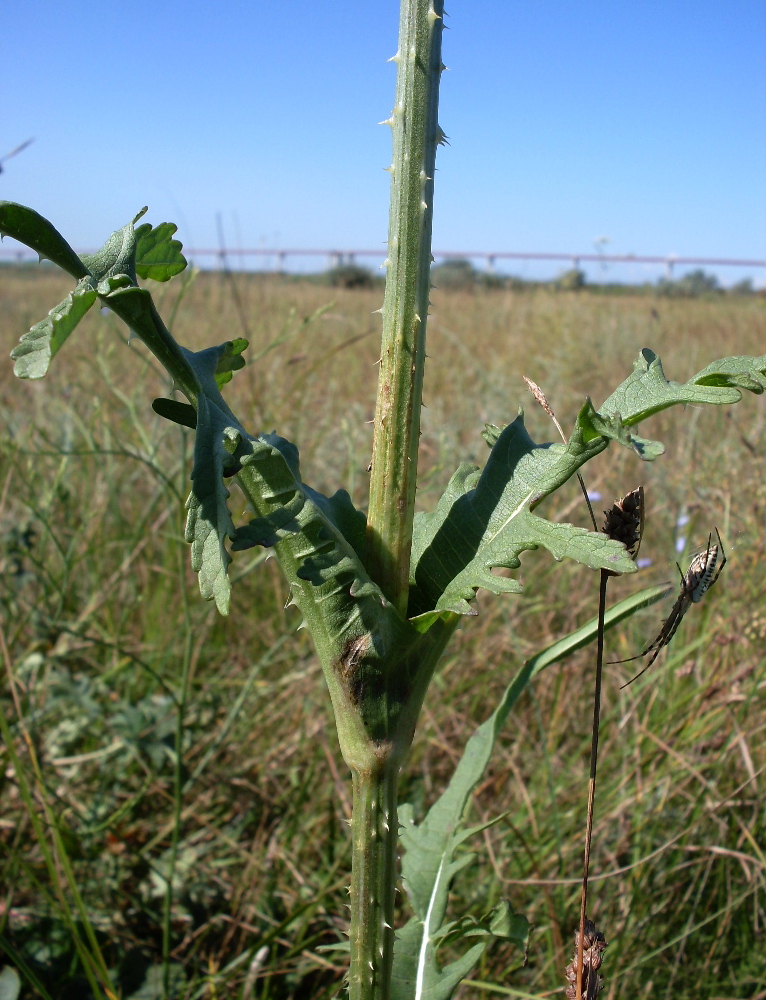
571, 281
350, 276
487, 279
744, 287
692, 285
454, 273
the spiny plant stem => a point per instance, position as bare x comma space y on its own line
373, 881
593, 768
416, 134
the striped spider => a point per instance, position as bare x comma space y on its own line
699, 578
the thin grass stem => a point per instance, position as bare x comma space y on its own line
593, 768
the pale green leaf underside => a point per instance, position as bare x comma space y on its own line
484, 521
36, 349
116, 256
647, 390
209, 524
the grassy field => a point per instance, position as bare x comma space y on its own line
112, 661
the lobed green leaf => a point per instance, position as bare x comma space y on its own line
484, 520
109, 271
230, 361
647, 391
37, 348
209, 524
219, 445
158, 255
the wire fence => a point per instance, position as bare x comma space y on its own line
283, 260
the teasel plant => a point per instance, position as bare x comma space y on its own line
381, 591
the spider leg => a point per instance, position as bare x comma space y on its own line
671, 623
690, 582
638, 656
654, 657
667, 632
654, 644
662, 639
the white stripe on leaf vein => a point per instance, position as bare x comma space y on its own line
515, 513
426, 935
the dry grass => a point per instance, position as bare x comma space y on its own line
103, 623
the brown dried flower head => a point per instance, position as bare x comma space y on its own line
624, 521
593, 948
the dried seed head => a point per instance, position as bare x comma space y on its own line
593, 947
539, 395
624, 521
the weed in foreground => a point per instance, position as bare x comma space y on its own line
382, 594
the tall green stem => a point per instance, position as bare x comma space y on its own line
373, 881
416, 134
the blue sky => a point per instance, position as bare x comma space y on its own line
644, 122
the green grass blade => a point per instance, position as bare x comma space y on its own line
428, 865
